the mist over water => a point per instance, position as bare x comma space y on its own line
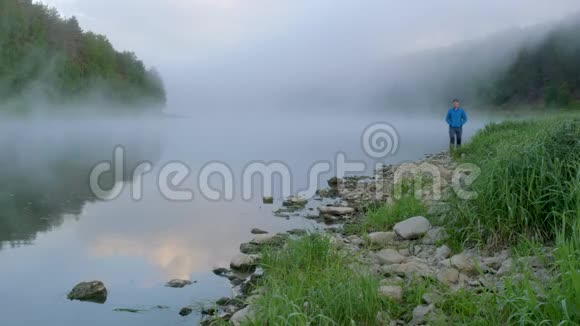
295, 83
56, 233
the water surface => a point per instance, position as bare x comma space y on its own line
55, 233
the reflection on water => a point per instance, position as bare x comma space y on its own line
53, 233
44, 173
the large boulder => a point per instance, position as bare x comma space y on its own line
412, 228
94, 291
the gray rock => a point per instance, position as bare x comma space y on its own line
389, 257
209, 311
262, 239
506, 267
258, 231
295, 201
224, 301
434, 235
94, 291
493, 262
297, 232
268, 200
412, 267
420, 313
221, 271
243, 262
382, 238
393, 280
412, 228
431, 298
336, 210
448, 276
531, 261
383, 319
427, 252
464, 263
250, 248
242, 315
405, 252
392, 292
177, 283
355, 240
442, 252
333, 182
337, 242
185, 311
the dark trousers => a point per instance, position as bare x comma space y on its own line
455, 134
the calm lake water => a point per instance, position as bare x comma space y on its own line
55, 233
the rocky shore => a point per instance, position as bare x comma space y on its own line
415, 248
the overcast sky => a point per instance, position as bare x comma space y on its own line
210, 44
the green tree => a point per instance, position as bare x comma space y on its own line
41, 51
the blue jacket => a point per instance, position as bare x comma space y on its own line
456, 118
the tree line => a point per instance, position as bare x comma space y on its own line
44, 54
547, 72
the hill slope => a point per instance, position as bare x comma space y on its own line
549, 71
43, 55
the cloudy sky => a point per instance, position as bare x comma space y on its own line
230, 44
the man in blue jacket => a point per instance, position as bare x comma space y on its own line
456, 118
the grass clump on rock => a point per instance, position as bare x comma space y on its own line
384, 217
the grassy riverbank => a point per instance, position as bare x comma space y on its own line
528, 201
528, 196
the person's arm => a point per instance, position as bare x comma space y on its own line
464, 117
448, 118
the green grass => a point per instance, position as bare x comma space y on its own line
385, 216
529, 184
527, 300
310, 282
528, 197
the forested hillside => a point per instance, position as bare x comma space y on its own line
519, 67
549, 71
50, 58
